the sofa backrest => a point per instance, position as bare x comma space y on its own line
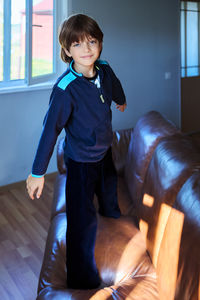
148, 131
174, 160
120, 144
163, 176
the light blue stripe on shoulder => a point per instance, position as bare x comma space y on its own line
66, 80
102, 62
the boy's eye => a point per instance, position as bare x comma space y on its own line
93, 42
75, 44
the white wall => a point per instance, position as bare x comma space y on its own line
21, 117
141, 44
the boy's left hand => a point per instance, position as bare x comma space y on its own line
121, 107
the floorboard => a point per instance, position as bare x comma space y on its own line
23, 230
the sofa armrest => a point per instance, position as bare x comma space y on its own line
120, 144
53, 271
59, 197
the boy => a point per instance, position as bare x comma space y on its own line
80, 103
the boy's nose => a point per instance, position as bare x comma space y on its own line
86, 46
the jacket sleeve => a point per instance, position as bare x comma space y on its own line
60, 109
118, 95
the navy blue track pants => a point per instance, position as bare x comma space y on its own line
83, 181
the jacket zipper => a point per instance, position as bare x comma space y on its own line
102, 99
100, 90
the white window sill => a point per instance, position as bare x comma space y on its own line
27, 88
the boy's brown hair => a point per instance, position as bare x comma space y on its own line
76, 28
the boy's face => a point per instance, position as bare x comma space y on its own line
86, 52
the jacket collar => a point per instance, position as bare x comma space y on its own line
97, 66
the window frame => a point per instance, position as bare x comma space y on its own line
29, 80
185, 68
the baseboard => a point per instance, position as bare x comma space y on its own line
22, 183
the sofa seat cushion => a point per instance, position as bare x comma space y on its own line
124, 265
59, 205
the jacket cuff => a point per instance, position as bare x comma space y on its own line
37, 176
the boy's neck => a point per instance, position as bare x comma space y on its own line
87, 71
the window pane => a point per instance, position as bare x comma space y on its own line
1, 40
183, 38
192, 6
183, 73
42, 37
18, 39
193, 71
192, 39
182, 5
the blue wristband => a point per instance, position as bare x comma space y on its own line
36, 176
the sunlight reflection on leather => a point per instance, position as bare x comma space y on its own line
169, 255
199, 289
167, 238
125, 260
102, 294
171, 168
143, 227
148, 200
160, 228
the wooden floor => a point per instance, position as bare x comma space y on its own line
23, 231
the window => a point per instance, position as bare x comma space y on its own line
190, 38
27, 43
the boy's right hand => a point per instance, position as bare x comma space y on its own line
34, 186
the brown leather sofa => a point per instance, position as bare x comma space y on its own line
153, 250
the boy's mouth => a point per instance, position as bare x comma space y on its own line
86, 56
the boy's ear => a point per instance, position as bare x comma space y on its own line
67, 52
